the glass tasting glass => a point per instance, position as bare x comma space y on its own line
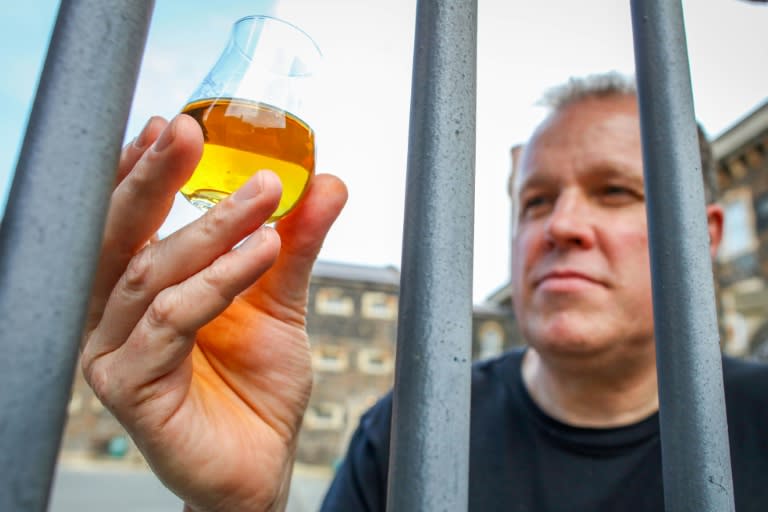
251, 110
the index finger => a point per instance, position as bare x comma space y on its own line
133, 151
141, 201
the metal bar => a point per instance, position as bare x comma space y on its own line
51, 231
429, 454
694, 435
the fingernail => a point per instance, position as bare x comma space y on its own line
254, 186
256, 238
141, 141
166, 137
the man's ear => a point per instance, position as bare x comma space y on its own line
715, 219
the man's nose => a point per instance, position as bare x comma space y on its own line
570, 222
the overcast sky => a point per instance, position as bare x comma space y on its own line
523, 48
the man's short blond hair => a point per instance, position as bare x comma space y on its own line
607, 85
604, 85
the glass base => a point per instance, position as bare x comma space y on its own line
205, 199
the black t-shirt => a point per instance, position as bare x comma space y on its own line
521, 459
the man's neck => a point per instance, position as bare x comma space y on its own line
596, 395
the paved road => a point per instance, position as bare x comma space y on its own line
87, 488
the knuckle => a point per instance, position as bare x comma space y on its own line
88, 357
125, 154
217, 219
139, 269
98, 378
217, 281
215, 276
86, 366
134, 185
161, 311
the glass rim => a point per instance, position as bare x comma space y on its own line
270, 18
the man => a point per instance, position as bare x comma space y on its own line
202, 352
570, 423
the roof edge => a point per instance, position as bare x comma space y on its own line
741, 132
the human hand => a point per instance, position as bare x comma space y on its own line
198, 349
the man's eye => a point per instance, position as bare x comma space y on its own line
618, 193
534, 203
616, 190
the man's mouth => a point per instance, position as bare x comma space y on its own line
566, 280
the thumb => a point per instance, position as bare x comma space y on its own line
302, 233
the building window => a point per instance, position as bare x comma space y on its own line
491, 336
333, 301
737, 169
329, 358
375, 361
761, 212
739, 226
379, 305
324, 416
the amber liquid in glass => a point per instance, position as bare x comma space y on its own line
243, 137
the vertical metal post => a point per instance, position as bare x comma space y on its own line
694, 435
429, 457
51, 232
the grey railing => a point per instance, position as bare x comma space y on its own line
429, 453
51, 232
694, 435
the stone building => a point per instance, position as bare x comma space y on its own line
742, 262
352, 324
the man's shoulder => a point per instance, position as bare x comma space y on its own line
508, 359
499, 371
487, 374
745, 379
743, 369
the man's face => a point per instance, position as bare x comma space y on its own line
580, 265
